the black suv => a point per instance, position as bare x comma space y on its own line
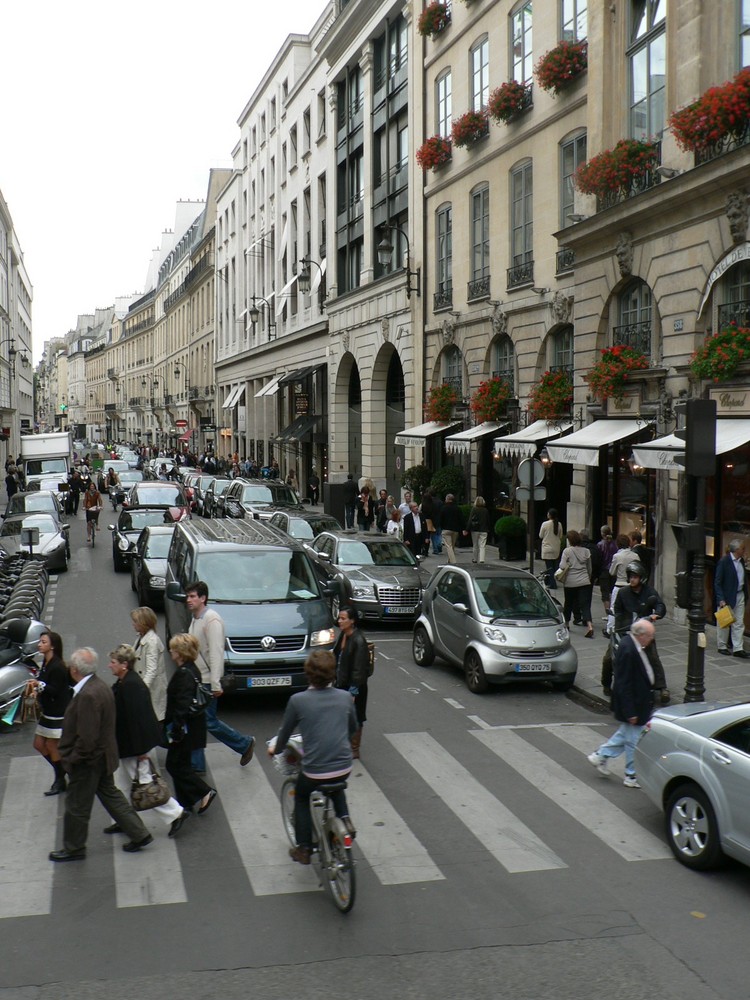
259, 498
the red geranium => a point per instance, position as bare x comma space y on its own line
616, 170
509, 100
722, 354
434, 18
551, 396
609, 375
719, 112
561, 65
440, 402
434, 152
490, 399
469, 127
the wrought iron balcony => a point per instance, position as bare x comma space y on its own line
639, 184
508, 376
169, 399
522, 272
478, 289
634, 335
735, 312
110, 407
567, 368
565, 259
443, 298
201, 392
723, 145
455, 382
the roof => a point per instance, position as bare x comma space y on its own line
488, 569
232, 531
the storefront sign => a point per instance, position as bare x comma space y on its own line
731, 400
628, 405
301, 404
735, 256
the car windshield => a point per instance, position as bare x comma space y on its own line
251, 577
131, 477
45, 524
513, 597
163, 496
46, 466
137, 520
375, 554
219, 485
300, 529
158, 546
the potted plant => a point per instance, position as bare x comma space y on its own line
722, 354
490, 400
719, 113
617, 170
416, 479
510, 535
508, 101
551, 396
440, 402
562, 65
609, 375
434, 18
449, 479
434, 152
469, 128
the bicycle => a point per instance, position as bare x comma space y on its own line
332, 841
92, 519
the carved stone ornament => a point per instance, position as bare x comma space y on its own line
499, 321
385, 326
737, 214
449, 332
345, 340
562, 307
624, 254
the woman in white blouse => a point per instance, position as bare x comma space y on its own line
150, 662
394, 526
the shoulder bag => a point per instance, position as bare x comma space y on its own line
155, 793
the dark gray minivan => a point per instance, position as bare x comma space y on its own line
275, 610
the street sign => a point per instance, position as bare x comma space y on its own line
180, 423
523, 493
531, 473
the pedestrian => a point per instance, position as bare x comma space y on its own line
382, 514
88, 750
451, 525
395, 528
138, 732
53, 693
413, 530
426, 512
607, 546
353, 667
478, 523
351, 493
313, 485
551, 535
640, 551
150, 662
185, 731
291, 480
76, 487
405, 505
365, 510
575, 563
730, 591
208, 628
632, 701
618, 576
11, 484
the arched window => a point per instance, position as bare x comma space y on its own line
735, 304
634, 328
480, 74
503, 361
453, 369
443, 103
562, 350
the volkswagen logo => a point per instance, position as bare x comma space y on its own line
268, 642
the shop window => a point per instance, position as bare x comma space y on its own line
647, 62
634, 328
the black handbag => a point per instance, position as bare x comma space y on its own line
155, 793
201, 699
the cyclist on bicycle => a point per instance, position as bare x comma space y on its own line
92, 503
325, 718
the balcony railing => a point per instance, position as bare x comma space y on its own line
169, 399
565, 259
201, 392
735, 312
478, 289
443, 298
110, 407
567, 368
138, 402
455, 382
508, 376
522, 273
639, 184
634, 335
723, 145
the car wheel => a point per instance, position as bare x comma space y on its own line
692, 830
422, 648
476, 679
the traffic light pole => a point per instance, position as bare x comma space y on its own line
695, 687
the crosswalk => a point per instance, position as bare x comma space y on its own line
248, 812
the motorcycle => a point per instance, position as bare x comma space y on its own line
20, 659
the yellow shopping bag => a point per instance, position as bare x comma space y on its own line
724, 617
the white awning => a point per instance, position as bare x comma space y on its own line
524, 443
661, 453
582, 447
461, 442
231, 401
281, 298
269, 389
419, 435
318, 276
731, 434
283, 241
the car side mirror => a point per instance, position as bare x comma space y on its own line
461, 608
174, 593
324, 557
331, 590
65, 527
110, 527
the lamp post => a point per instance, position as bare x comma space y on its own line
304, 278
254, 314
385, 256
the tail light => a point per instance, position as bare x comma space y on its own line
348, 840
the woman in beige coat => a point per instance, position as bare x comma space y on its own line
150, 662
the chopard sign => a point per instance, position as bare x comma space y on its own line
629, 402
735, 400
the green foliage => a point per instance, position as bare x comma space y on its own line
511, 527
449, 479
416, 479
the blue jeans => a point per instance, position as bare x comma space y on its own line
224, 733
622, 740
437, 541
349, 516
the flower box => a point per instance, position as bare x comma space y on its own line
720, 113
551, 396
490, 400
618, 170
469, 128
440, 402
434, 152
562, 65
434, 18
610, 374
509, 100
722, 354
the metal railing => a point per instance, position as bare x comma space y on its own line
640, 183
565, 259
734, 312
521, 273
634, 335
479, 288
442, 298
723, 145
508, 376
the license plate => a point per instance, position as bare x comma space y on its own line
268, 682
398, 611
532, 668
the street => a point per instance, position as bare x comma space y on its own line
492, 860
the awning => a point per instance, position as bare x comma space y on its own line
282, 296
418, 435
187, 435
661, 453
524, 443
461, 442
318, 276
582, 447
299, 429
299, 374
232, 399
270, 388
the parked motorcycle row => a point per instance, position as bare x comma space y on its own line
23, 582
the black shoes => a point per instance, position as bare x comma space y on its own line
58, 786
135, 845
741, 654
177, 823
67, 855
115, 828
725, 652
248, 754
207, 800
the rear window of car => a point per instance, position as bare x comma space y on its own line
137, 520
160, 496
42, 503
250, 576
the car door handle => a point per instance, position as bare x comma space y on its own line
723, 758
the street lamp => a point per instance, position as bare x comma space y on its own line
177, 366
254, 313
385, 256
304, 278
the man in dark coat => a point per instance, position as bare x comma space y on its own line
414, 531
351, 493
451, 523
632, 700
88, 751
730, 590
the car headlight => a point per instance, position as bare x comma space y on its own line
123, 544
562, 634
494, 634
364, 591
158, 581
324, 637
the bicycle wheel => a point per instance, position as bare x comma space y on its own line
340, 877
287, 797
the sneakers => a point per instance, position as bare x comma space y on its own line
599, 763
630, 781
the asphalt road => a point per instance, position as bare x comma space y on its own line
493, 860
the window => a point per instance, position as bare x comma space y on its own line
647, 57
521, 51
634, 309
480, 75
273, 113
480, 233
522, 195
402, 146
502, 357
572, 155
443, 103
736, 296
574, 20
745, 33
444, 270
262, 129
292, 147
562, 349
453, 369
397, 46
321, 114
305, 131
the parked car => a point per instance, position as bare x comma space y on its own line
257, 497
213, 497
379, 576
52, 546
37, 501
148, 564
305, 524
169, 496
130, 524
199, 483
498, 624
693, 762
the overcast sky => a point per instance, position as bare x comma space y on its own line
110, 114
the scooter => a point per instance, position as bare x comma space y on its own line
20, 659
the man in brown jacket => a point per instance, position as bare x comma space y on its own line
89, 755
